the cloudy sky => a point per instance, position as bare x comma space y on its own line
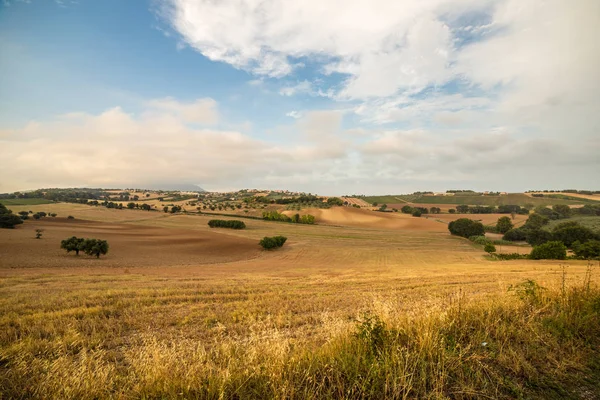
325, 96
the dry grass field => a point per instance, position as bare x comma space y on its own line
179, 310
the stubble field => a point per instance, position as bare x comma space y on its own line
179, 309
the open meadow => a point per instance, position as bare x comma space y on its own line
177, 309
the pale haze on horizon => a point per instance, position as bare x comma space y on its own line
329, 97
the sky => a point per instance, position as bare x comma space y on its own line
323, 96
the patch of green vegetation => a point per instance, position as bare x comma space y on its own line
24, 202
592, 222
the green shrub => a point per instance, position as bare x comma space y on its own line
489, 248
268, 243
515, 235
481, 240
535, 237
504, 225
8, 220
417, 213
232, 224
510, 256
466, 228
588, 250
553, 250
571, 232
95, 247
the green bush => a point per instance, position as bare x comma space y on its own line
466, 228
489, 248
95, 247
8, 220
417, 213
268, 243
515, 235
504, 225
535, 237
571, 232
481, 240
588, 250
553, 250
510, 256
220, 223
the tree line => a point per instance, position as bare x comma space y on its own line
91, 247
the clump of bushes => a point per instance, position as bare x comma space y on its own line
7, 218
466, 228
296, 218
481, 240
91, 247
510, 256
553, 250
220, 223
268, 243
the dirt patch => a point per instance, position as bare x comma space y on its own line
350, 216
130, 245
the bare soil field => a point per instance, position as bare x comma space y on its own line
358, 202
130, 245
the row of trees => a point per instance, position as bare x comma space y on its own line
91, 247
221, 223
296, 218
268, 243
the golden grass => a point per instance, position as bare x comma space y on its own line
338, 312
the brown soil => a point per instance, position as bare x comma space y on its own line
130, 245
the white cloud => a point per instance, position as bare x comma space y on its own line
200, 111
294, 114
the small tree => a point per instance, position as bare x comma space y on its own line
549, 251
38, 233
489, 248
588, 250
417, 213
24, 215
466, 228
95, 247
7, 218
72, 244
452, 211
504, 225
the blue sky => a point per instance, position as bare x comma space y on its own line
327, 97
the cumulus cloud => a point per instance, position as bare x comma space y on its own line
158, 145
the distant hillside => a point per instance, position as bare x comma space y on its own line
173, 187
483, 200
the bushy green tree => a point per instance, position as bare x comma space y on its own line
95, 247
536, 237
462, 209
489, 248
407, 209
571, 232
268, 243
8, 220
335, 201
72, 244
504, 225
588, 250
417, 213
515, 235
553, 250
536, 221
466, 228
220, 223
562, 209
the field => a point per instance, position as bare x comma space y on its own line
24, 202
474, 200
176, 309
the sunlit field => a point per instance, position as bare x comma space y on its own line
358, 306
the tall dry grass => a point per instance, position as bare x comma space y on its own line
529, 342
